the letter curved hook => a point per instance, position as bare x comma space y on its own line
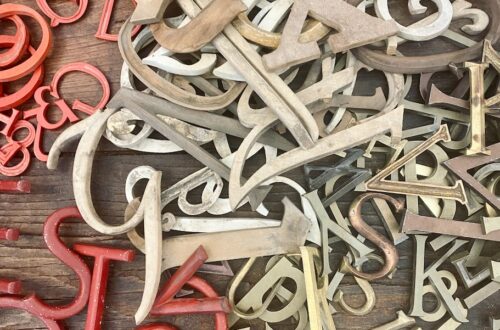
90, 130
236, 281
480, 19
365, 286
366, 308
420, 33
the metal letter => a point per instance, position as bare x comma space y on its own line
413, 223
379, 183
477, 108
389, 250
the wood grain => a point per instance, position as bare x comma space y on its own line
29, 260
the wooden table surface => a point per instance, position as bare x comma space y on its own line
29, 260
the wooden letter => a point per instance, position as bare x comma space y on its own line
355, 29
